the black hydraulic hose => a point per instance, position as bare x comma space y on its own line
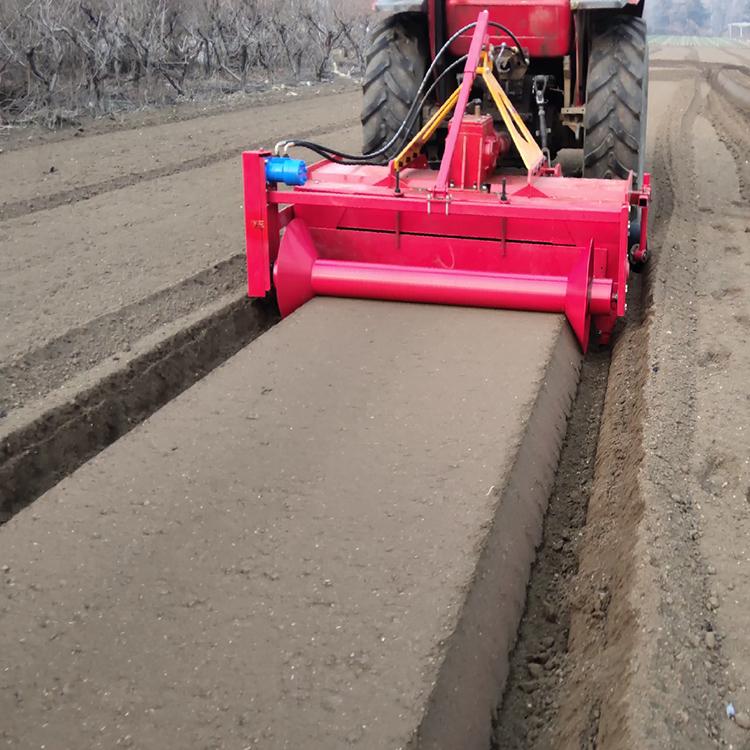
343, 157
383, 149
314, 147
500, 26
327, 152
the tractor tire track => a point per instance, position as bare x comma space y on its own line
605, 634
564, 625
732, 125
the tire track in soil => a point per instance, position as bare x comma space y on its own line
696, 65
570, 670
743, 59
85, 192
732, 125
674, 599
678, 683
655, 682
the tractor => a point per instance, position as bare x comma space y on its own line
460, 196
575, 70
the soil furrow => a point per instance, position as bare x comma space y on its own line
36, 373
531, 698
671, 588
69, 431
604, 619
569, 681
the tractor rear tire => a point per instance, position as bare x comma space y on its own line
616, 100
396, 60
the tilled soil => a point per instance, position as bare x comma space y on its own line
637, 631
318, 546
122, 269
106, 237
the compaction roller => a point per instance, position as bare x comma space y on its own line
465, 210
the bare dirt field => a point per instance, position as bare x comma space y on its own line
637, 627
638, 612
119, 249
95, 224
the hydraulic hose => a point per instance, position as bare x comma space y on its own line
400, 136
368, 159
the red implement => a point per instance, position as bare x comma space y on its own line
464, 235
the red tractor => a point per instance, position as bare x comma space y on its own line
575, 70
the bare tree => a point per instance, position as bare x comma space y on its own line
61, 57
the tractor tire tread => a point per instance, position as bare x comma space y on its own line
615, 94
396, 61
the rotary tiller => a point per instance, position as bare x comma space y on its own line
467, 232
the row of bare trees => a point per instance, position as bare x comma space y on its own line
61, 57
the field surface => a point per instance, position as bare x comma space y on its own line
121, 279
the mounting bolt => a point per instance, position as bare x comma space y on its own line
397, 191
503, 194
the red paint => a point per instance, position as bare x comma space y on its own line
346, 232
256, 229
470, 70
477, 152
299, 275
537, 241
544, 27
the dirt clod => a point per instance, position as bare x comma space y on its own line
535, 670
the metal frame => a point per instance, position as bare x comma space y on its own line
534, 241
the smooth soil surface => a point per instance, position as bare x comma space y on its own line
324, 543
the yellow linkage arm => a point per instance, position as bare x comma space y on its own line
414, 147
532, 155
